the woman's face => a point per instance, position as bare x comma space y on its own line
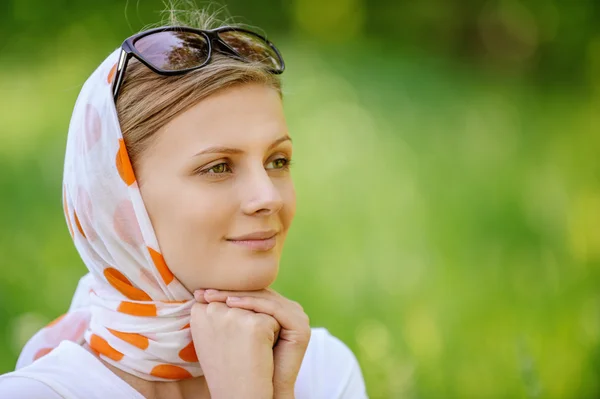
217, 187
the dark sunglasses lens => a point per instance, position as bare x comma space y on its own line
252, 48
173, 50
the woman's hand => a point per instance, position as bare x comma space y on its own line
235, 350
294, 335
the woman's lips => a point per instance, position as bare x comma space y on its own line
262, 241
257, 245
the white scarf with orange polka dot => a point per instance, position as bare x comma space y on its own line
130, 308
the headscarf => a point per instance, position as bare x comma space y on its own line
130, 308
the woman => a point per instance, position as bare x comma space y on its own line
178, 196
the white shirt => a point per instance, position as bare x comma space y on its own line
329, 371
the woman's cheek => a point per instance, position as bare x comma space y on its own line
289, 203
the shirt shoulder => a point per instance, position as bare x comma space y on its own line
329, 370
58, 375
18, 387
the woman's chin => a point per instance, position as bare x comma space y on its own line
248, 275
254, 278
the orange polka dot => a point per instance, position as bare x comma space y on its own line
124, 165
137, 340
111, 74
137, 309
56, 321
188, 354
78, 224
42, 352
124, 286
100, 345
161, 266
170, 372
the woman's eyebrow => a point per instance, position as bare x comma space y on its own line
236, 151
279, 141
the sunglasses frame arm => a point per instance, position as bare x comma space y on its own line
126, 54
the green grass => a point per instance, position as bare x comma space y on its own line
447, 224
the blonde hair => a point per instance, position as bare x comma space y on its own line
148, 101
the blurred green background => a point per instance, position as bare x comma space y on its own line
447, 168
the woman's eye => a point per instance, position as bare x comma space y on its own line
279, 163
218, 169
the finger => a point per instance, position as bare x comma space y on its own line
211, 295
270, 320
199, 296
288, 320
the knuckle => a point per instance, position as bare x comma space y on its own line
235, 313
253, 321
258, 323
214, 308
279, 306
237, 317
272, 323
305, 318
297, 305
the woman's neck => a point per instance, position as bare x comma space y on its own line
195, 388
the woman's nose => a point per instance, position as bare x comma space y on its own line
261, 195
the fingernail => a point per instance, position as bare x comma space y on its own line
211, 292
199, 295
233, 299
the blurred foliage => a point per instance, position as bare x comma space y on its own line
447, 172
546, 40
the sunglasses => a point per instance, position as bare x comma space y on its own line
176, 50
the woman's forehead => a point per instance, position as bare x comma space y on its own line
238, 117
